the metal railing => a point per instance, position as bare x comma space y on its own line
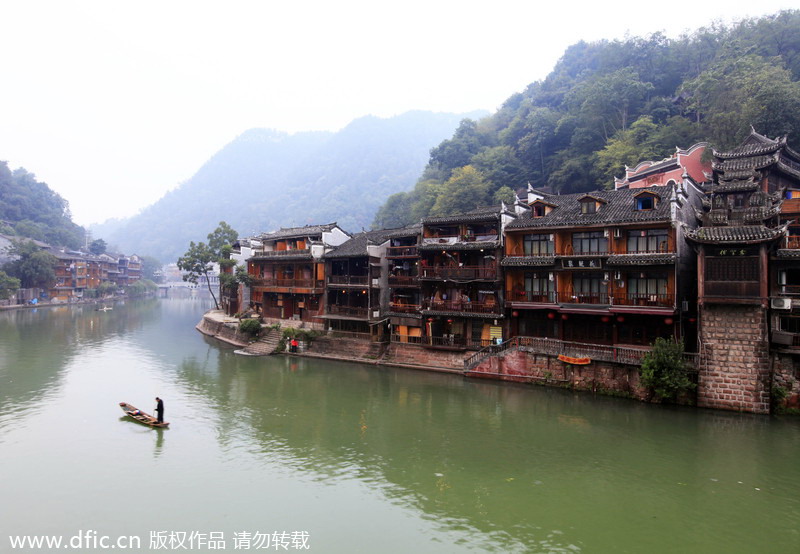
462, 306
459, 273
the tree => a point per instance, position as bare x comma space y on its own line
8, 285
33, 267
199, 260
466, 190
664, 371
98, 247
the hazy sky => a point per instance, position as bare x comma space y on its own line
114, 103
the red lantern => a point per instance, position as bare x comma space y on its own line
449, 321
692, 319
668, 321
564, 316
621, 319
515, 314
605, 319
551, 315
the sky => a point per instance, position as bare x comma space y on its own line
113, 104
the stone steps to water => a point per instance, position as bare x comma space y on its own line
264, 346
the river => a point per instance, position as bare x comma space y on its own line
293, 454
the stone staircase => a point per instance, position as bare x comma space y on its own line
264, 346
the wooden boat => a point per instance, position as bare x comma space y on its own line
140, 416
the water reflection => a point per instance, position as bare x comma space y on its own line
362, 451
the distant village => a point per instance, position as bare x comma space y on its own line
707, 252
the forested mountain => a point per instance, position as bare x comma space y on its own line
29, 208
266, 179
611, 103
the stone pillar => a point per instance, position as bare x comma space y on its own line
734, 370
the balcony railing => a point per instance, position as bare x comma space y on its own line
789, 290
642, 299
402, 252
792, 242
445, 342
404, 308
403, 280
462, 273
531, 296
583, 298
281, 253
462, 306
350, 311
361, 280
288, 283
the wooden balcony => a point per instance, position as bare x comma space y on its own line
792, 242
732, 289
402, 252
352, 280
531, 297
399, 308
282, 253
348, 311
460, 273
599, 298
656, 300
288, 283
458, 306
403, 280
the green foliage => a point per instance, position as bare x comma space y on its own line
34, 211
611, 103
664, 371
465, 190
106, 289
250, 327
142, 287
98, 247
34, 267
8, 285
152, 268
198, 261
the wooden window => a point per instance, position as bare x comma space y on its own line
593, 242
537, 245
647, 240
588, 206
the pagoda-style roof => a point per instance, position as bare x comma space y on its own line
297, 232
744, 234
754, 145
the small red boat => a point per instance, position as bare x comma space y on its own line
140, 416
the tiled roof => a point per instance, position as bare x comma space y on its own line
523, 261
641, 259
741, 164
463, 314
754, 145
408, 231
735, 185
733, 235
357, 246
290, 232
618, 207
486, 213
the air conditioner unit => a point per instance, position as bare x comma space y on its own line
618, 276
376, 282
781, 303
617, 233
605, 233
376, 314
550, 276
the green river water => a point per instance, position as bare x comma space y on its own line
356, 458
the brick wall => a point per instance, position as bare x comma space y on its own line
526, 366
786, 374
734, 373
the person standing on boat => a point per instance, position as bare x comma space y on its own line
160, 409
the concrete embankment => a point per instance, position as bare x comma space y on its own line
221, 327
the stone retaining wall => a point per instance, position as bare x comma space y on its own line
221, 330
